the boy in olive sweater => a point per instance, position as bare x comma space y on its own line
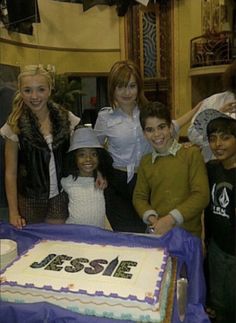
172, 184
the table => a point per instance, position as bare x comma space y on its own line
180, 244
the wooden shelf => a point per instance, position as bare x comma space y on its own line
208, 70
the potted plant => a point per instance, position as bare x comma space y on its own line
67, 92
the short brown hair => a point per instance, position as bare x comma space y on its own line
222, 125
154, 109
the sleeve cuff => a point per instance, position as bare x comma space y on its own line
147, 213
176, 129
177, 216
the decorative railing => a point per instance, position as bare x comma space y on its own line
211, 49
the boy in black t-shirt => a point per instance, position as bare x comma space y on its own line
220, 214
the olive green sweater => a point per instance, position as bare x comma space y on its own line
174, 183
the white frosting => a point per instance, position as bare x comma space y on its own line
8, 252
130, 291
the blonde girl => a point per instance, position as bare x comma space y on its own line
37, 135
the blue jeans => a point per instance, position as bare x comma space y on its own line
222, 283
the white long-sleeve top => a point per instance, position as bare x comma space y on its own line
86, 203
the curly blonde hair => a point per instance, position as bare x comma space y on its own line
18, 103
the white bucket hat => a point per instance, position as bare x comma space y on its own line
204, 117
84, 138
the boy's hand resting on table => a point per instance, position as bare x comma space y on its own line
17, 221
161, 225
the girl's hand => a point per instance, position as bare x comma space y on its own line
101, 182
17, 221
229, 107
187, 144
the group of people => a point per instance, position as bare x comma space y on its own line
130, 167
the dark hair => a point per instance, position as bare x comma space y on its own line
104, 164
154, 109
120, 75
229, 78
223, 125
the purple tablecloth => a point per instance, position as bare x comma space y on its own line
179, 243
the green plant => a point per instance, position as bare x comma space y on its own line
67, 92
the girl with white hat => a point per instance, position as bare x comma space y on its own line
86, 157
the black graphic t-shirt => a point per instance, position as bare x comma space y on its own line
220, 213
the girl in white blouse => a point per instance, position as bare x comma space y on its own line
118, 128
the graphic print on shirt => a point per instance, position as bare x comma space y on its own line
220, 197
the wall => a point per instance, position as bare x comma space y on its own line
191, 85
70, 39
89, 42
186, 25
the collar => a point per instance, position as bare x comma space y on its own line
171, 151
119, 111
